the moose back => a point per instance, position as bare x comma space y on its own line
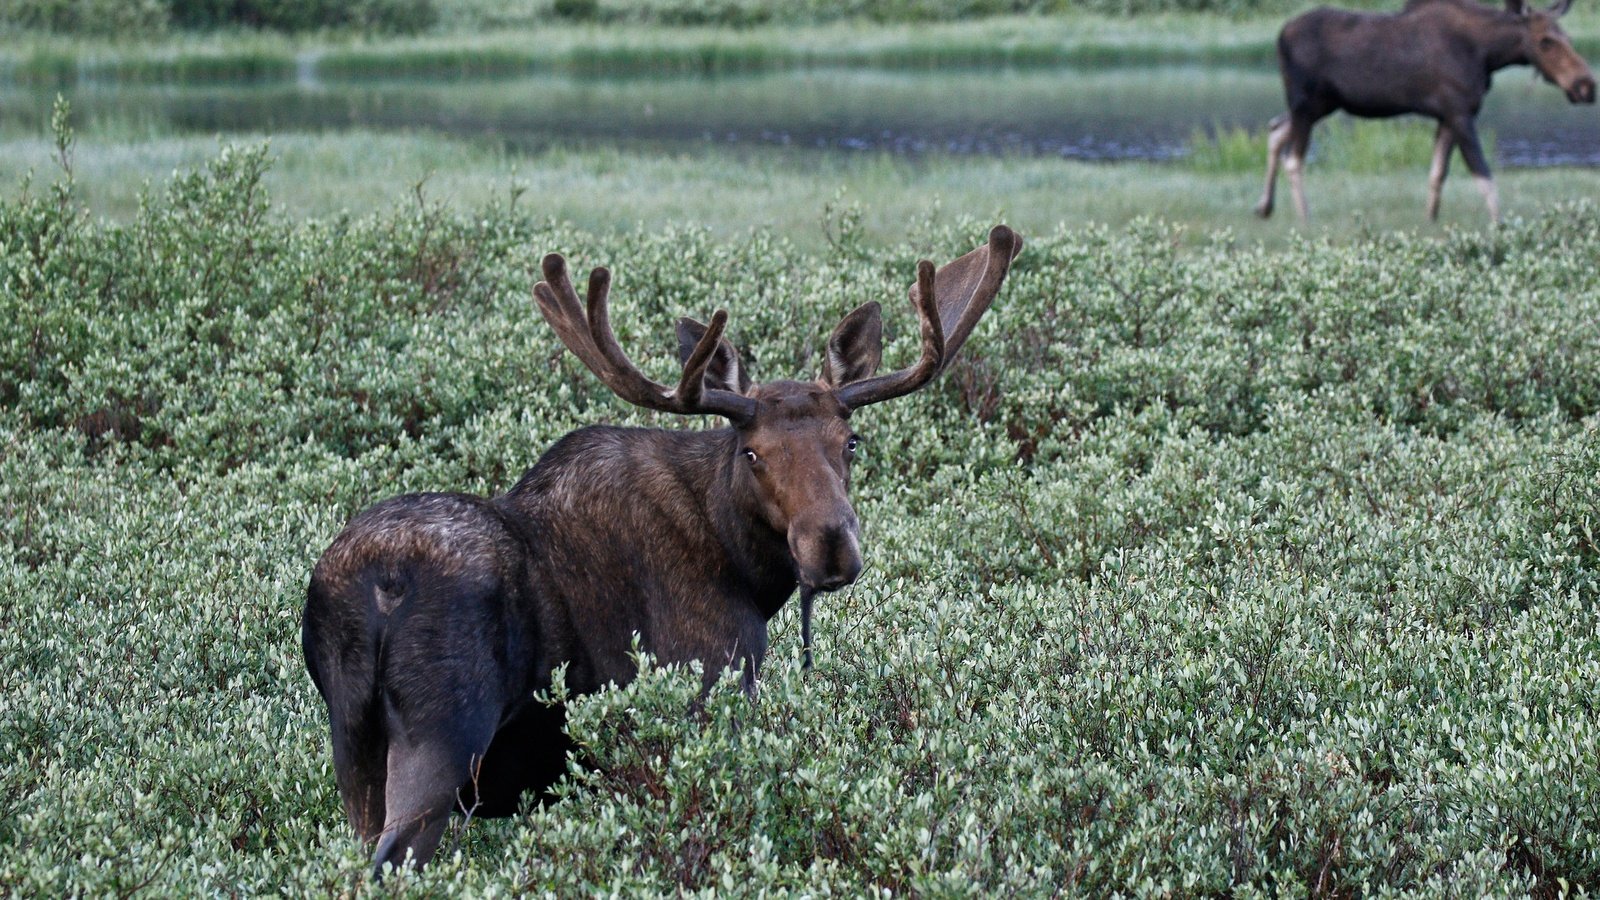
433, 619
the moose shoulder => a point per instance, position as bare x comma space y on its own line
433, 619
1434, 58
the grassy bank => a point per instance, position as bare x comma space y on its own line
1369, 182
623, 49
1079, 39
1210, 570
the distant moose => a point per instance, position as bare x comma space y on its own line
1434, 58
432, 620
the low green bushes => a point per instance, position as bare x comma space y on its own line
1209, 570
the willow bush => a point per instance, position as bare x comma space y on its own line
1209, 570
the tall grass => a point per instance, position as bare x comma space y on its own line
1340, 143
623, 49
57, 62
543, 44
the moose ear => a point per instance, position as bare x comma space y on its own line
855, 348
1560, 8
725, 371
1517, 7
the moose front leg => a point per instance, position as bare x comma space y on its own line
1472, 153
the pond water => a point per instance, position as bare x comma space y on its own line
1112, 114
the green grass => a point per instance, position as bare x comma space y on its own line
1211, 569
522, 44
1341, 144
618, 191
616, 49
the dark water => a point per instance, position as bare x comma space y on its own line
1119, 114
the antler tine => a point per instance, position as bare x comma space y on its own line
559, 303
632, 384
967, 286
691, 386
928, 364
967, 307
585, 328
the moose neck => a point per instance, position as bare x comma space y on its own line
680, 486
1505, 41
757, 554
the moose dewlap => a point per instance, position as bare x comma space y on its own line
432, 620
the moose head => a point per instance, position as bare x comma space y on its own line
1550, 51
794, 441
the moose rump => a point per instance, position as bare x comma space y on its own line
419, 637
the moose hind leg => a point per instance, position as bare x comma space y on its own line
1277, 139
1299, 141
439, 731
1444, 141
360, 761
526, 758
426, 782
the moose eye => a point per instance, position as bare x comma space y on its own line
751, 456
852, 445
1547, 43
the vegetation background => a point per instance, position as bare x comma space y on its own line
117, 17
1220, 565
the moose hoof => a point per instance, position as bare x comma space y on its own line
1264, 210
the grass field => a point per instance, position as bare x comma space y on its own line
542, 45
1217, 567
1368, 180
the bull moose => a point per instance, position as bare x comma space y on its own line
1434, 58
433, 620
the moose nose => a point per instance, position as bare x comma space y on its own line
848, 562
829, 557
1582, 91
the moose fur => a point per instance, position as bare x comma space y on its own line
1435, 58
433, 620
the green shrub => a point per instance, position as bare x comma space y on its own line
1209, 570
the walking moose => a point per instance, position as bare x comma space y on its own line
1434, 58
432, 620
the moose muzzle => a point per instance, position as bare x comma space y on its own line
827, 553
1581, 90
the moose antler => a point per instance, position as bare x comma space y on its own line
591, 340
949, 304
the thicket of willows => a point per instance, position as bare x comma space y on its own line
1211, 570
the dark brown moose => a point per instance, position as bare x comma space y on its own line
432, 620
1434, 58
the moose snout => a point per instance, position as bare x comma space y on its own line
1582, 90
828, 556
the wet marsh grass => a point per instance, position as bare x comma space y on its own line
633, 49
999, 42
1338, 144
180, 59
480, 42
787, 192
